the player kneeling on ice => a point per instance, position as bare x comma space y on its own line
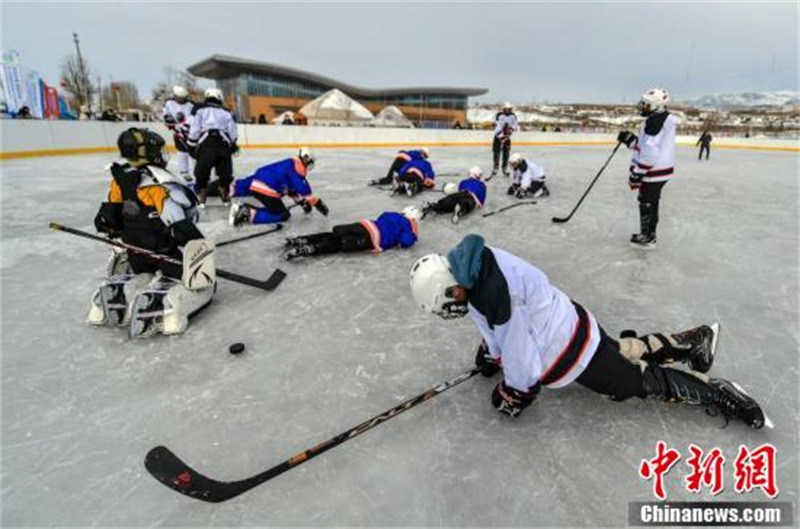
399, 161
269, 185
460, 199
537, 336
528, 178
413, 177
387, 231
150, 208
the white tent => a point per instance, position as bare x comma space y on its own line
392, 116
334, 107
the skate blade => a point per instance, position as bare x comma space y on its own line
714, 340
767, 421
646, 247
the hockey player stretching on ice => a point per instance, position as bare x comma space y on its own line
537, 336
414, 176
212, 140
528, 179
399, 161
505, 124
150, 208
178, 118
460, 199
269, 185
388, 231
653, 160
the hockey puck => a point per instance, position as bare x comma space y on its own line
236, 348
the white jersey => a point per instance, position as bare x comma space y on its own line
530, 172
540, 335
180, 114
654, 150
505, 125
211, 117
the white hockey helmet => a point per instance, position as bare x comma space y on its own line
425, 152
180, 92
214, 93
412, 213
432, 285
450, 188
307, 157
475, 172
653, 100
507, 106
515, 159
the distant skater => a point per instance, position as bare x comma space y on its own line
705, 144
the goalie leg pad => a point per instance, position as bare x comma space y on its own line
181, 304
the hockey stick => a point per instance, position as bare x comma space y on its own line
168, 469
278, 227
566, 219
271, 283
506, 208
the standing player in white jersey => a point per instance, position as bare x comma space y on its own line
538, 336
178, 118
212, 138
653, 160
505, 124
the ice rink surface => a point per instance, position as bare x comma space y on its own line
340, 341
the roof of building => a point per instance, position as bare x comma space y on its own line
224, 66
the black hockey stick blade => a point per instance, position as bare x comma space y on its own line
506, 208
270, 284
277, 227
169, 470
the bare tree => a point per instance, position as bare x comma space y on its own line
75, 78
173, 77
121, 95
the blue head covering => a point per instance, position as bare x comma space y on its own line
465, 260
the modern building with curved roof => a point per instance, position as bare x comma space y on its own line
255, 88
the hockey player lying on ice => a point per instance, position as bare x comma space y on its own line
269, 185
150, 208
538, 337
460, 199
400, 160
389, 230
415, 175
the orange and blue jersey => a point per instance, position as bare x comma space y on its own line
474, 187
420, 169
276, 180
391, 229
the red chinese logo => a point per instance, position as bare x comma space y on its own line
756, 469
705, 471
658, 467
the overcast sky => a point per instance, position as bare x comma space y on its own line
523, 52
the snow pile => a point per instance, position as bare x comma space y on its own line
777, 98
479, 115
392, 116
334, 107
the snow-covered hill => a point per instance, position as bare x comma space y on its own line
746, 99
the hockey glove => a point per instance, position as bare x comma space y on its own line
635, 180
512, 190
521, 192
322, 207
234, 149
184, 231
109, 219
627, 137
488, 364
306, 206
510, 401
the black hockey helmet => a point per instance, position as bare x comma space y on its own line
136, 145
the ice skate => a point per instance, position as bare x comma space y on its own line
457, 214
239, 214
732, 401
640, 240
